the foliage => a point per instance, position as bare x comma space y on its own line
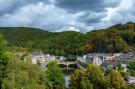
116, 81
53, 76
95, 73
94, 78
83, 64
79, 80
107, 41
3, 59
63, 43
22, 75
132, 68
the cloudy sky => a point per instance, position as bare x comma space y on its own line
60, 15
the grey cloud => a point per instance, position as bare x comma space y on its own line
78, 5
9, 6
90, 5
91, 17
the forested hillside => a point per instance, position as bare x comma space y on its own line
61, 43
118, 38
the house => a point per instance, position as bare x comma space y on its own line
131, 80
37, 57
49, 57
103, 56
62, 58
41, 59
97, 60
109, 64
110, 56
84, 57
124, 58
94, 59
117, 54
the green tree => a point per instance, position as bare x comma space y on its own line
79, 80
3, 59
132, 68
54, 77
92, 78
22, 75
96, 76
86, 84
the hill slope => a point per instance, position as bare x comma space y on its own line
117, 38
57, 43
19, 36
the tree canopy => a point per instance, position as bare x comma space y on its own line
3, 59
54, 76
94, 78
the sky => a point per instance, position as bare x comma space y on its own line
63, 15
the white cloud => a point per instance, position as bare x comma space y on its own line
72, 29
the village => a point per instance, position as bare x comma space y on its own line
105, 60
100, 59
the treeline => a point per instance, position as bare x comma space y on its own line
118, 38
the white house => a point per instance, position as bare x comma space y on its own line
62, 58
49, 57
97, 60
94, 59
131, 80
37, 57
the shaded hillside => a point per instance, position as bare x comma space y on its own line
59, 43
19, 36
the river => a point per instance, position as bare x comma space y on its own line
67, 78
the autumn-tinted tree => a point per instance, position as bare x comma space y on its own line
79, 80
91, 78
96, 76
116, 81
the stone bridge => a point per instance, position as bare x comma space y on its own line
67, 63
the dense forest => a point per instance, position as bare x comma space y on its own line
117, 38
